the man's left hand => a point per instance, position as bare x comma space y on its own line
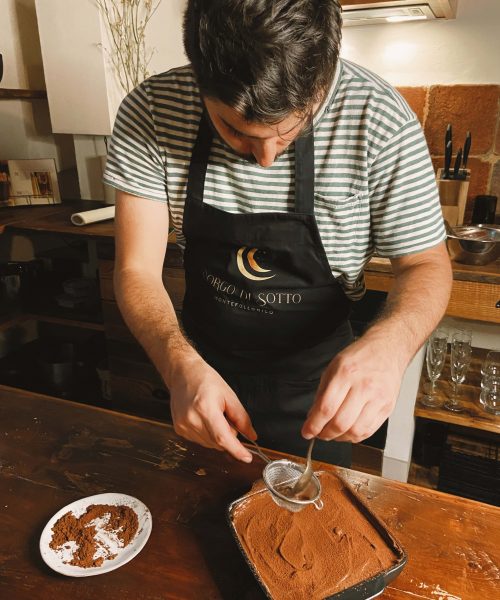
357, 392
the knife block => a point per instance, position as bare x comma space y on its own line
453, 197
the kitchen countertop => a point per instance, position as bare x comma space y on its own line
55, 451
483, 274
55, 218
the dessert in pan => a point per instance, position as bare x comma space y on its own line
340, 552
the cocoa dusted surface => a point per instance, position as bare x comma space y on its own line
53, 452
312, 553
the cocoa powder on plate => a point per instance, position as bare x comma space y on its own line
119, 520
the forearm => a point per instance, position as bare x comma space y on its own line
360, 386
148, 311
415, 305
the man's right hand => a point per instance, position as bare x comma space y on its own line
205, 409
203, 405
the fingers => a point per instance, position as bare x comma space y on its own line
358, 390
329, 398
239, 417
198, 406
194, 433
209, 427
224, 437
346, 415
370, 419
215, 434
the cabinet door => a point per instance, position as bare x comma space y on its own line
82, 89
440, 9
136, 386
78, 87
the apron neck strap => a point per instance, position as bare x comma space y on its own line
199, 161
304, 167
304, 173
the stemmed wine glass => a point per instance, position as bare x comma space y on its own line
490, 382
435, 356
460, 357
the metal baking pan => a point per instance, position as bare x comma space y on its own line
364, 590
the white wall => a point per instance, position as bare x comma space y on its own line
25, 130
164, 35
82, 84
462, 50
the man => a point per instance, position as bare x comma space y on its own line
282, 169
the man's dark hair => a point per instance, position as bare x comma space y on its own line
266, 59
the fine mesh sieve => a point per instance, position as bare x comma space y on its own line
280, 476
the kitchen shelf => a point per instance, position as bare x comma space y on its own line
46, 309
13, 319
55, 314
422, 476
473, 416
41, 304
13, 94
28, 366
70, 321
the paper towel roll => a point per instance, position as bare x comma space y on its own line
93, 216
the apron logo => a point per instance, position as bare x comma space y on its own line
249, 256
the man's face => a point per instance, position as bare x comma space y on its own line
253, 140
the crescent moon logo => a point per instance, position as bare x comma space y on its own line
252, 263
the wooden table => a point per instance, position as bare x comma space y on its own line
53, 452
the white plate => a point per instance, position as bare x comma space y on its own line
57, 559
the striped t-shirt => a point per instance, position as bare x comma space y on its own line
375, 189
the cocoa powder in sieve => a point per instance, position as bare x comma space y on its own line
119, 520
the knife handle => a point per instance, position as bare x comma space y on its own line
467, 144
448, 135
458, 162
447, 160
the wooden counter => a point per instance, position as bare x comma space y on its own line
54, 452
475, 293
137, 388
55, 218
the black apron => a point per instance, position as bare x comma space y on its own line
262, 305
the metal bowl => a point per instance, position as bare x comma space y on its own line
473, 244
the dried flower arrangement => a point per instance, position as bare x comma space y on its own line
126, 21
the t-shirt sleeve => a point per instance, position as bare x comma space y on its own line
134, 162
404, 201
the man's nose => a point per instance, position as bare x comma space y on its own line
265, 152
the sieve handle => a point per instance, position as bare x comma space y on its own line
258, 452
256, 448
318, 504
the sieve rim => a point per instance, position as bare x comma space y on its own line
272, 490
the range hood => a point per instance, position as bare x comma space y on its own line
376, 12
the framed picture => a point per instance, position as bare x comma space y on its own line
28, 182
